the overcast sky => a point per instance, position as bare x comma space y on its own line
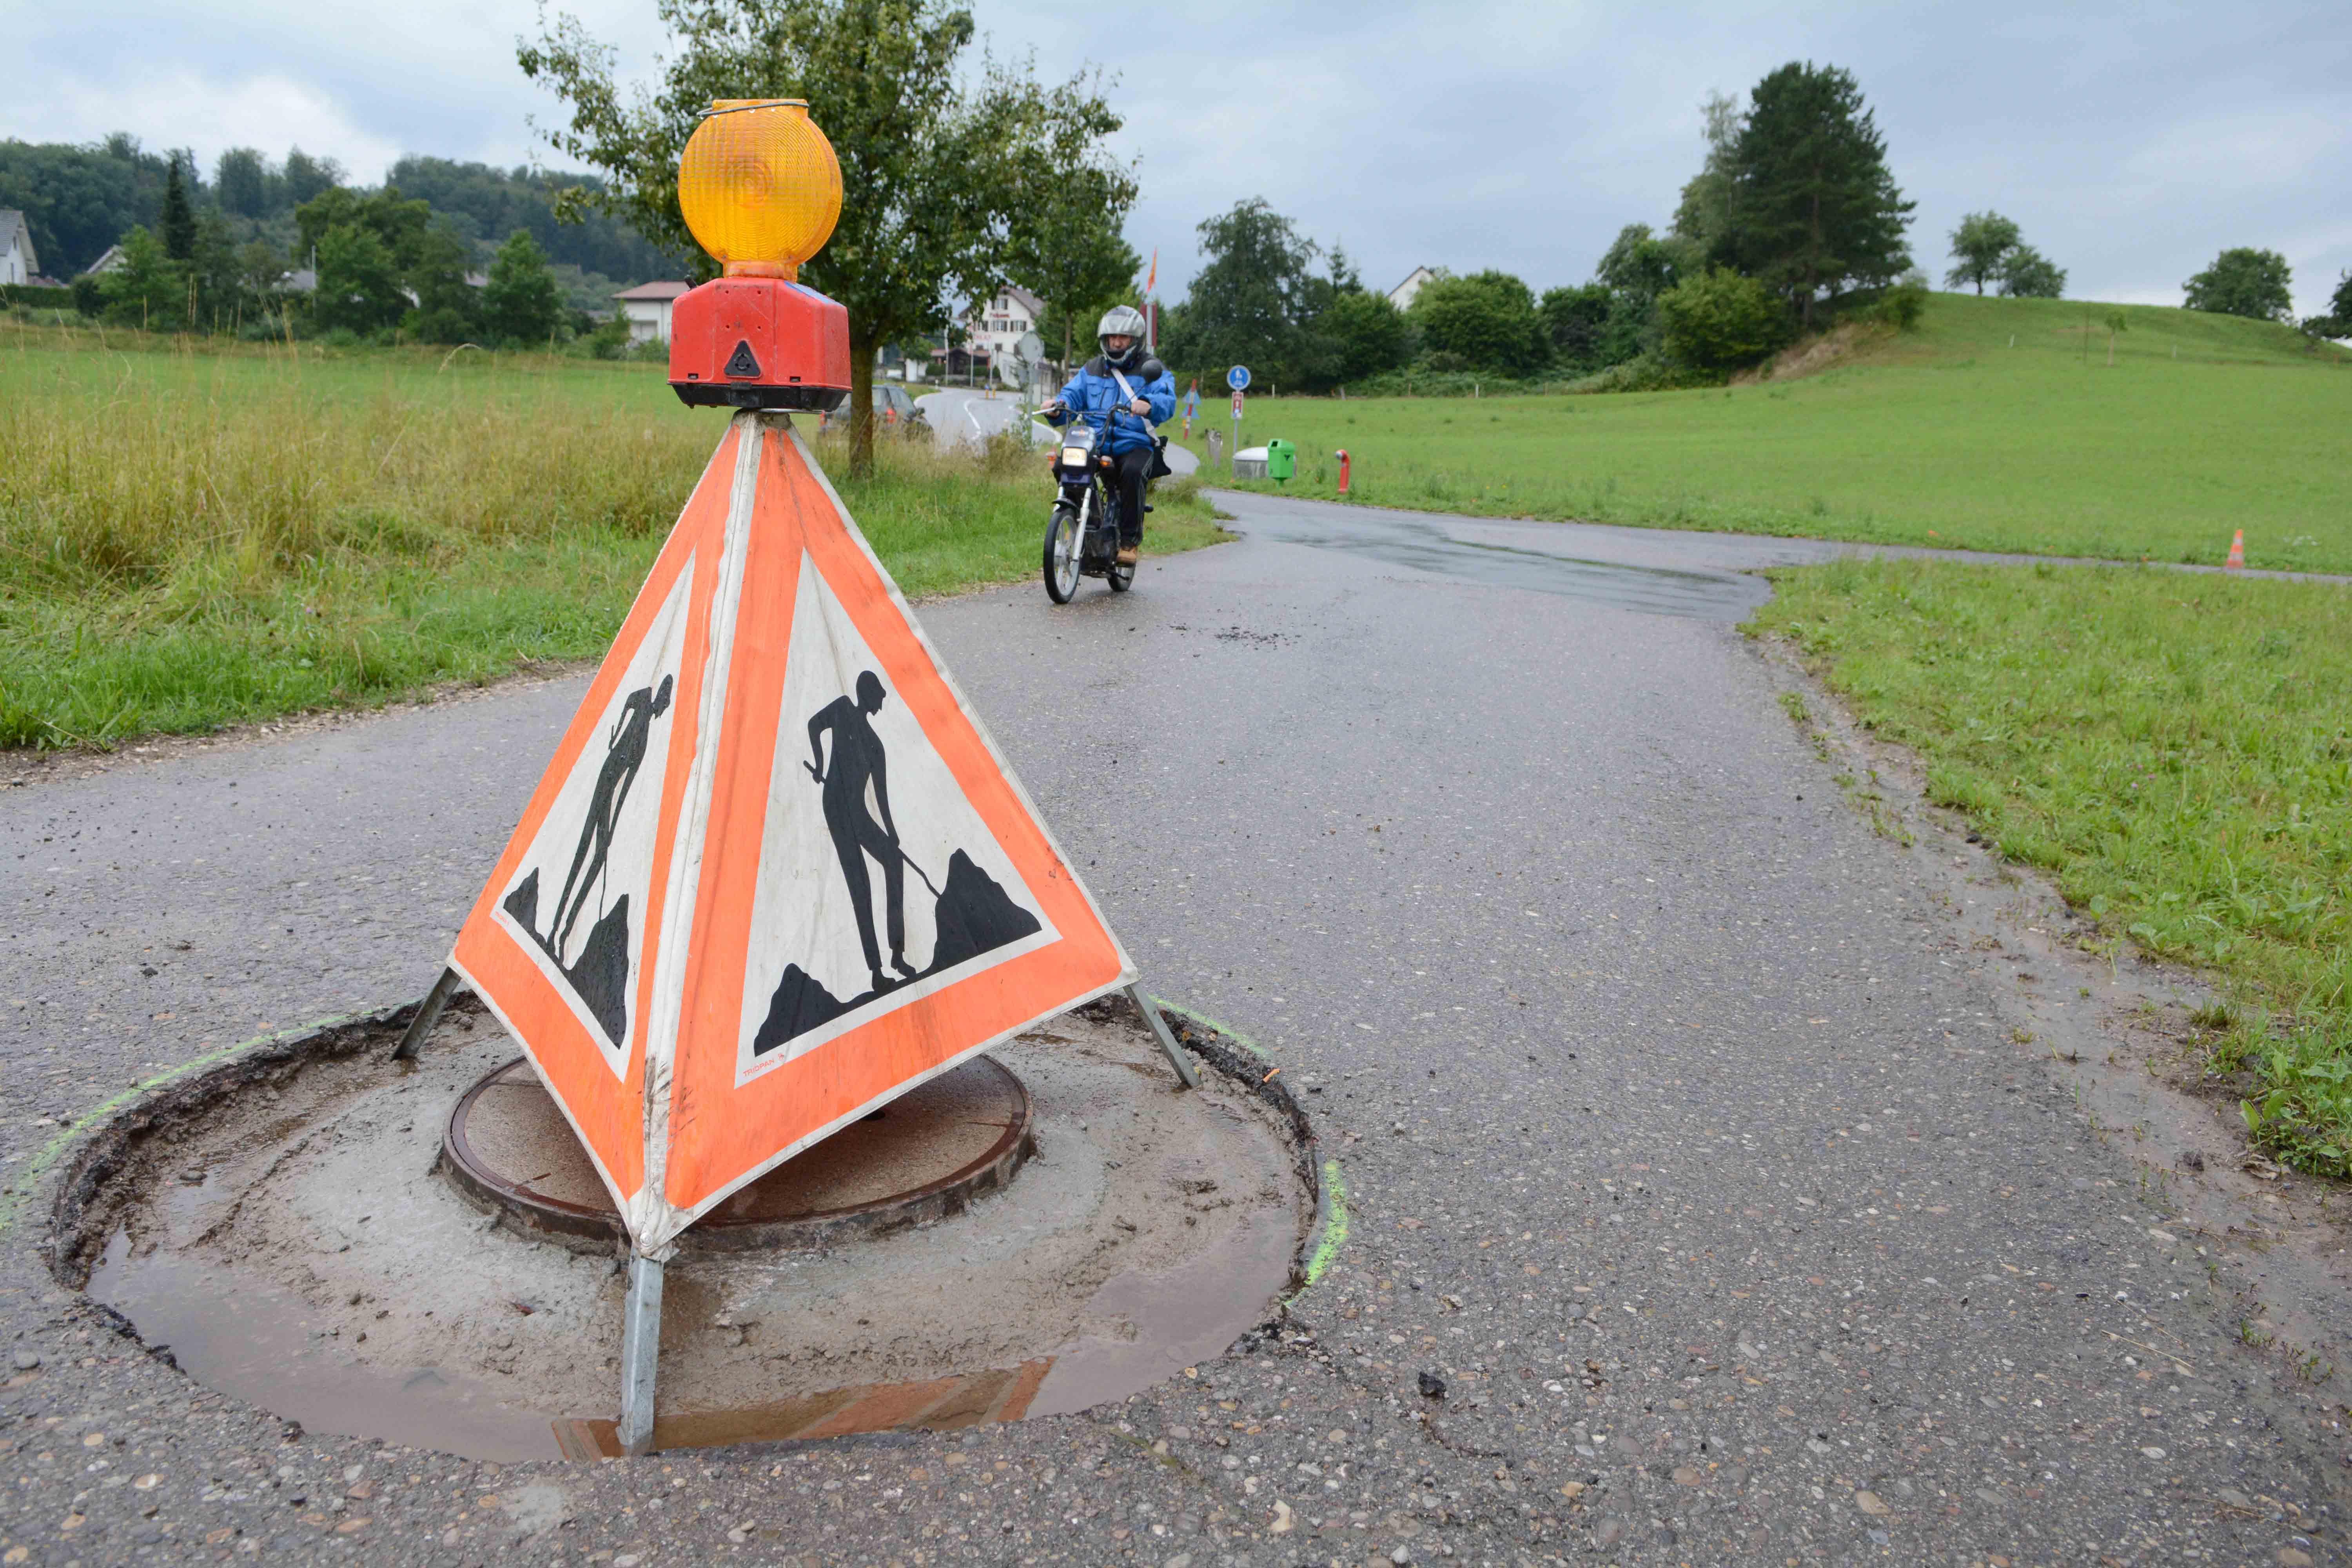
2131, 142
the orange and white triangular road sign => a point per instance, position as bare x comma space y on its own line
777, 874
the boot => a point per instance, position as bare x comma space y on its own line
1128, 554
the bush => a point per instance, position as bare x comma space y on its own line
1720, 320
1489, 321
1900, 307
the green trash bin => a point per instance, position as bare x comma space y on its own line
1281, 460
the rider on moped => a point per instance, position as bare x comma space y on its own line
1116, 393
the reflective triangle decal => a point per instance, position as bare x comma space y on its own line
742, 364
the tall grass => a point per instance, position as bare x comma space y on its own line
189, 539
2177, 752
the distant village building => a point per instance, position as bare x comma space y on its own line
17, 262
109, 260
997, 326
1402, 295
646, 310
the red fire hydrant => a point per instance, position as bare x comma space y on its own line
1343, 470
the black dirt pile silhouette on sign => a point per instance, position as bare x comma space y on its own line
973, 915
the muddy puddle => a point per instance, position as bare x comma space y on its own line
293, 1246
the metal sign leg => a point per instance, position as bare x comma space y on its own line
428, 1013
640, 1349
1176, 1056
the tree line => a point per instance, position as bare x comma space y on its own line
1792, 219
224, 255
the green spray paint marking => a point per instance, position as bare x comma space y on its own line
1335, 1228
1252, 1047
1335, 1186
57, 1147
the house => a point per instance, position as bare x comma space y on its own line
646, 310
1402, 295
109, 260
17, 263
997, 326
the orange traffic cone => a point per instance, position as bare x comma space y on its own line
2237, 561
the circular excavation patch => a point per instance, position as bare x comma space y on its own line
285, 1226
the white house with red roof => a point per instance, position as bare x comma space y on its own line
646, 310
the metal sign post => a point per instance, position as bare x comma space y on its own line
1237, 378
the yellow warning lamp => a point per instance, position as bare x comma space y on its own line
760, 186
762, 190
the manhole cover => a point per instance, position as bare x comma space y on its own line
924, 1156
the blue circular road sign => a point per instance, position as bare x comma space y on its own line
1237, 377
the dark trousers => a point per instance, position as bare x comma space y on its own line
1129, 470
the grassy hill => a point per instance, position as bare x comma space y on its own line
1999, 424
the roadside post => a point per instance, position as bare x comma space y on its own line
681, 933
1238, 378
1343, 470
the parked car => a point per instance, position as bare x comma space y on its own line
894, 409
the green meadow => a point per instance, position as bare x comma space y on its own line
190, 538
1999, 425
2176, 752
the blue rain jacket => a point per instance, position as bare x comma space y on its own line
1093, 395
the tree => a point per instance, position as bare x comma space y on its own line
178, 226
1637, 267
1813, 208
149, 291
2117, 322
241, 183
937, 168
1365, 334
519, 304
2243, 282
2027, 274
448, 309
1720, 319
308, 178
1576, 318
2338, 322
1704, 216
359, 285
1070, 254
1981, 245
1488, 320
1251, 303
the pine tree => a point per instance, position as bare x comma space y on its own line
1813, 208
179, 222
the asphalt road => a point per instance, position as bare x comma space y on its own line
1686, 1134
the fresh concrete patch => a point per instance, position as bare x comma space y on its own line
277, 1225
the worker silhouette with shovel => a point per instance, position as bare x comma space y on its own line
858, 759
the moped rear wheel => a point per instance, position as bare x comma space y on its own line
1065, 539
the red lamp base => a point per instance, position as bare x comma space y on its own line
759, 343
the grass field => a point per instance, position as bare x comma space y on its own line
1949, 436
190, 539
2177, 752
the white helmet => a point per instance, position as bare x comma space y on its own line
1123, 321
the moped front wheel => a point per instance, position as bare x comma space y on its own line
1065, 536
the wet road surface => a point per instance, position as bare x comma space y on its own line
1687, 1139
